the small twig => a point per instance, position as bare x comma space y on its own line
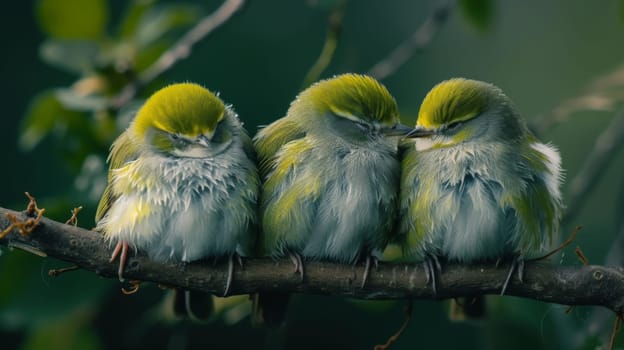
14, 224
419, 40
25, 227
32, 207
331, 41
602, 94
581, 256
393, 338
561, 246
57, 272
28, 248
73, 220
605, 149
180, 50
183, 47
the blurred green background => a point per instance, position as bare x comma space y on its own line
64, 59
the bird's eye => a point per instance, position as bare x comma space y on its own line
454, 125
178, 140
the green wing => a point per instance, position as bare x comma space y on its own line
280, 147
413, 214
270, 139
122, 152
536, 209
537, 215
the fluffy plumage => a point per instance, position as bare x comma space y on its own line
330, 175
182, 182
330, 172
481, 187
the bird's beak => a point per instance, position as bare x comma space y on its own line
419, 131
204, 140
397, 130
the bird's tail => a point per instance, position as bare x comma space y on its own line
196, 306
466, 309
269, 309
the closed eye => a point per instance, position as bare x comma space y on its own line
178, 140
453, 125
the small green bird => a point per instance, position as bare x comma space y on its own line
330, 173
476, 184
182, 183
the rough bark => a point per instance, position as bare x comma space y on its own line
569, 285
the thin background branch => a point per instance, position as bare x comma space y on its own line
599, 319
331, 42
602, 94
181, 49
419, 40
607, 146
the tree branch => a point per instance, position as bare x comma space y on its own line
570, 285
331, 42
602, 94
417, 42
181, 49
606, 147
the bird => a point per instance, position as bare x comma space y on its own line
330, 173
183, 182
476, 184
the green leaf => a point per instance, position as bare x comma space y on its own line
161, 20
75, 101
74, 56
232, 309
73, 19
479, 13
132, 16
144, 58
71, 332
44, 114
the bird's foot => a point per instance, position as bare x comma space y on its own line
230, 274
367, 265
297, 262
431, 265
121, 251
517, 264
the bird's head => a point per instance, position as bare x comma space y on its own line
462, 110
185, 120
354, 107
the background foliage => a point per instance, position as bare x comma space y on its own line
65, 62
